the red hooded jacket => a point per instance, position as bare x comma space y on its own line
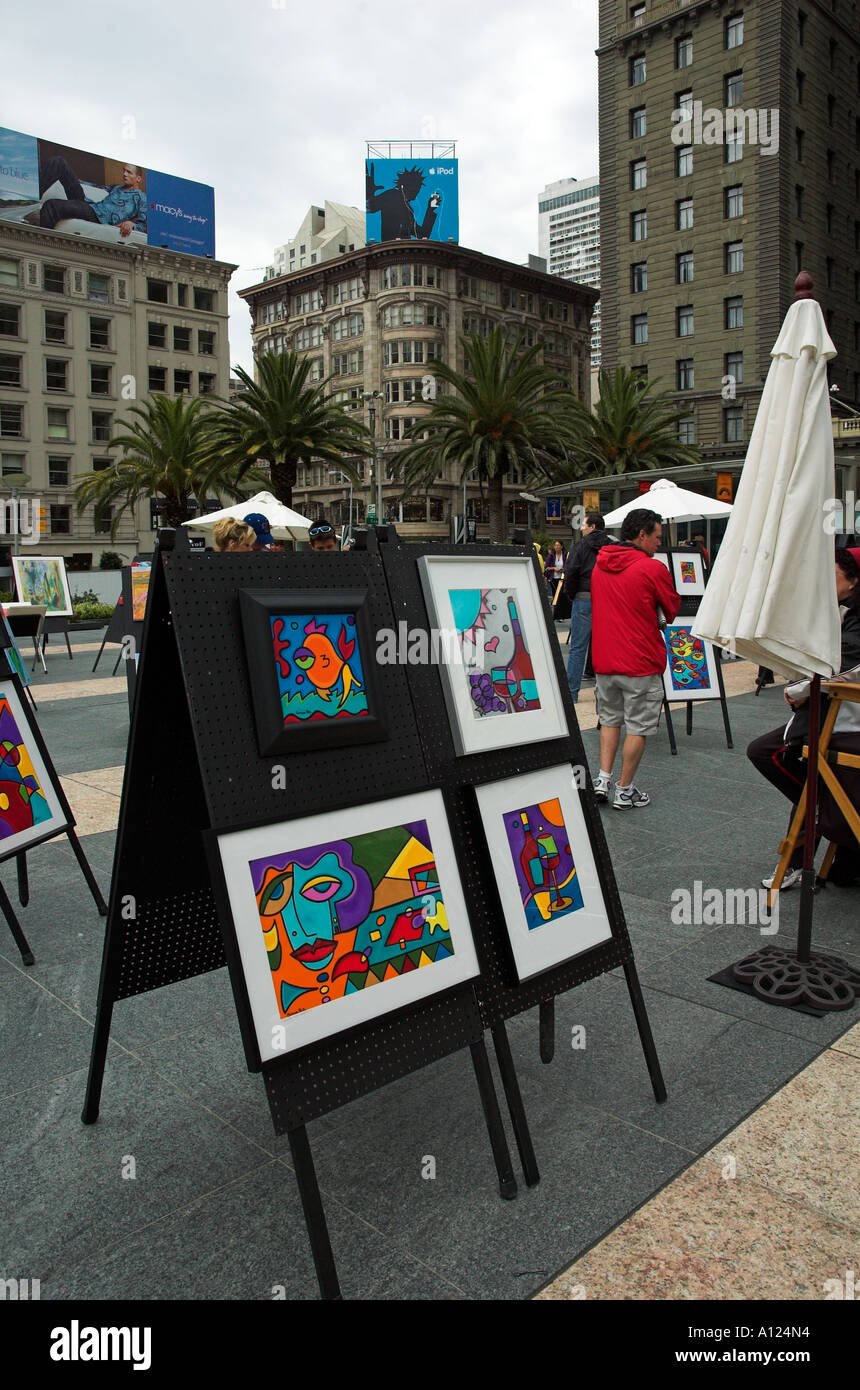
627, 587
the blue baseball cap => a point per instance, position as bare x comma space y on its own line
259, 524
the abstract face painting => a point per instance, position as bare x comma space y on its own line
543, 862
691, 670
29, 807
319, 666
345, 916
497, 664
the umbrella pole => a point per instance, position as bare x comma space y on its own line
807, 888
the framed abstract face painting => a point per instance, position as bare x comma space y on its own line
544, 865
312, 666
496, 664
30, 809
691, 667
345, 916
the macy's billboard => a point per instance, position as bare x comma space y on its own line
54, 186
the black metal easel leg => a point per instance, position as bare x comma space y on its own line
87, 873
646, 1037
689, 717
101, 649
116, 663
23, 878
68, 645
98, 1056
15, 928
522, 1133
546, 1029
673, 747
314, 1214
726, 724
493, 1117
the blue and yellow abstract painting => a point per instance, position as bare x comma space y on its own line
319, 667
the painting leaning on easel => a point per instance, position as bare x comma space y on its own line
30, 809
42, 579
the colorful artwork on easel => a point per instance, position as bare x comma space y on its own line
496, 661
41, 579
688, 660
688, 572
350, 914
319, 668
543, 862
140, 575
23, 804
13, 655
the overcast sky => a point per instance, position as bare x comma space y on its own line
271, 101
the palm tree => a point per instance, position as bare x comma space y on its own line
632, 427
166, 451
282, 420
509, 411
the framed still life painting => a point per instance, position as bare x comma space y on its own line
544, 865
496, 664
688, 572
312, 665
42, 579
30, 809
691, 667
346, 916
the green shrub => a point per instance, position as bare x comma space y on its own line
111, 560
87, 608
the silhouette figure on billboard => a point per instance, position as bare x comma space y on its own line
394, 204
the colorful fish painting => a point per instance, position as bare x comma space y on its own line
319, 667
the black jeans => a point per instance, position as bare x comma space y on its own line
53, 210
784, 767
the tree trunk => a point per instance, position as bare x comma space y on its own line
175, 511
283, 477
498, 522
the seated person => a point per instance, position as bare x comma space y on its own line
778, 755
123, 206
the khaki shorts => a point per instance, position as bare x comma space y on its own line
633, 701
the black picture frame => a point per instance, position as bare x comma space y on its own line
257, 607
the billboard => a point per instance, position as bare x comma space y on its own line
54, 186
414, 199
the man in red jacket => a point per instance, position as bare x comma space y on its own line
628, 590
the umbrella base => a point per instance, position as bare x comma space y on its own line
777, 976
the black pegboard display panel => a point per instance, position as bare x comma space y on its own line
203, 588
172, 938
500, 995
302, 1088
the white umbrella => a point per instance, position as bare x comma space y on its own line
286, 524
672, 503
771, 596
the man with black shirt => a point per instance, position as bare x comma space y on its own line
577, 587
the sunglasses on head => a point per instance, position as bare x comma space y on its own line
323, 529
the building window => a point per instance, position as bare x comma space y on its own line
182, 296
733, 424
158, 291
58, 423
687, 430
639, 277
99, 379
684, 51
831, 110
10, 319
639, 173
734, 307
102, 518
315, 372
157, 335
8, 272
801, 28
683, 106
734, 31
799, 86
685, 374
181, 339
734, 367
56, 374
798, 145
798, 200
639, 328
638, 123
734, 200
637, 70
828, 218
158, 380
734, 257
12, 421
684, 321
99, 333
638, 225
55, 326
637, 15
10, 370
831, 166
832, 47
734, 146
206, 383
344, 290
684, 268
205, 342
684, 161
98, 287
181, 383
12, 463
58, 470
54, 279
348, 363
101, 423
734, 84
684, 214
205, 300
61, 519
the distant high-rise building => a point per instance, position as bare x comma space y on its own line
730, 156
326, 232
569, 238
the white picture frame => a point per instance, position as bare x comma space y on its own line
42, 579
700, 663
688, 573
249, 878
465, 659
22, 766
542, 932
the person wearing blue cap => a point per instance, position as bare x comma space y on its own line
259, 524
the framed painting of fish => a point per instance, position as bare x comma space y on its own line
312, 667
359, 910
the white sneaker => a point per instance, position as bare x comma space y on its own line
793, 878
601, 787
627, 798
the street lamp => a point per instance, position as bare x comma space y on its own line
371, 398
16, 481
